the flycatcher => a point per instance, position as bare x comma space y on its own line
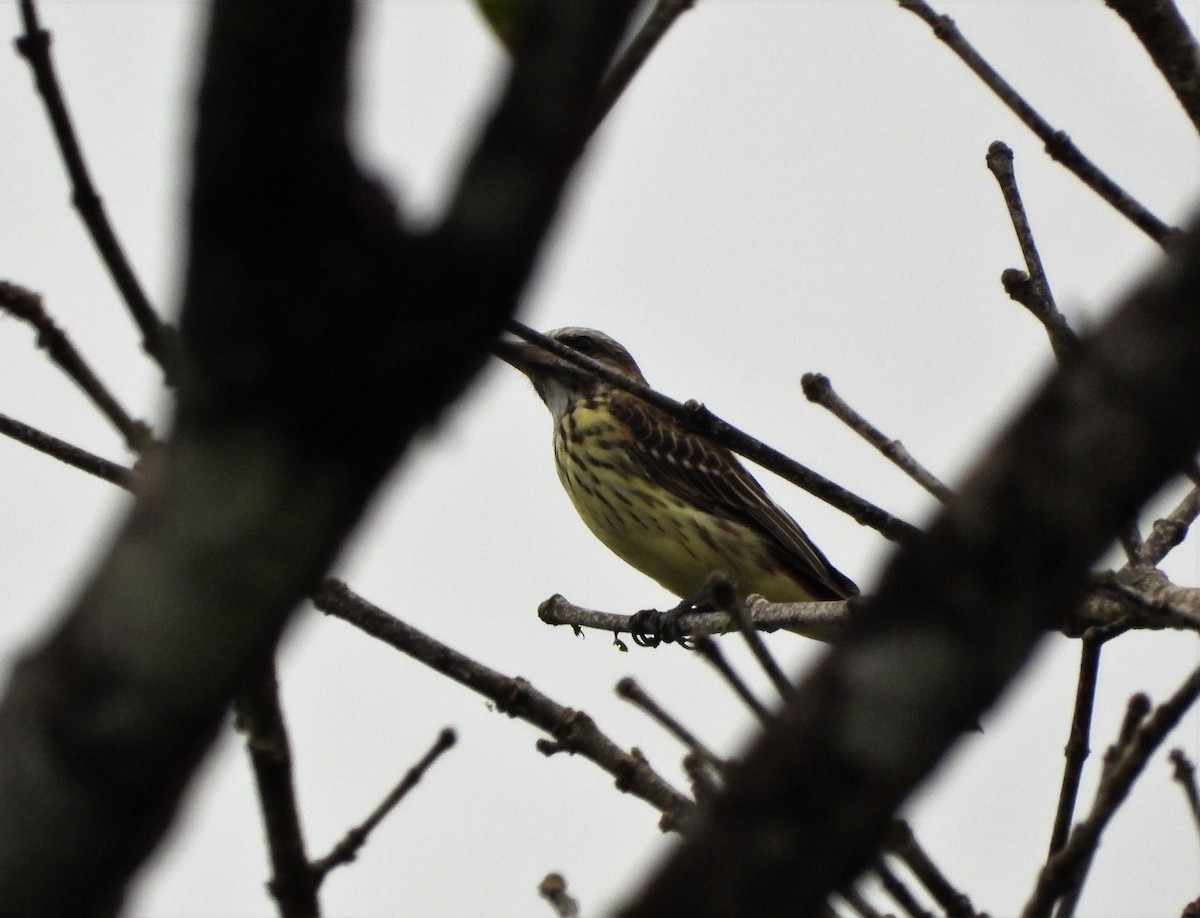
667, 501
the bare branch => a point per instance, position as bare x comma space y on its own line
27, 306
858, 902
1171, 530
765, 615
63, 451
770, 666
1184, 774
1058, 144
903, 843
635, 54
1063, 873
809, 804
1170, 43
1135, 597
819, 390
1077, 750
553, 889
294, 262
572, 730
896, 888
629, 689
293, 885
158, 338
708, 649
1031, 290
352, 842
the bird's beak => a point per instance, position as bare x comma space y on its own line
528, 358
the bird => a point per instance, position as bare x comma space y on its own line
669, 502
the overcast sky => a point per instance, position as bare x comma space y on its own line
790, 185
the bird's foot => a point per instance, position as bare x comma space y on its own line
650, 627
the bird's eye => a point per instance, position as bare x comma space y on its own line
585, 344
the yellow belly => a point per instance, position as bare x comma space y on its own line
649, 528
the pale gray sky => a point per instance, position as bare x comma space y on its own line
791, 185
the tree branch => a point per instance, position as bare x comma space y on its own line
957, 613
1060, 147
158, 338
305, 298
1170, 43
572, 730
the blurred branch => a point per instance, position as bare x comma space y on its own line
295, 879
63, 451
158, 338
1060, 147
812, 799
1135, 597
1170, 43
259, 715
631, 691
896, 888
758, 647
707, 648
819, 390
661, 17
1064, 872
904, 845
1171, 530
305, 295
553, 889
573, 730
27, 306
698, 419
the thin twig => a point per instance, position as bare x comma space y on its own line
634, 55
1171, 530
1064, 873
553, 889
1076, 750
698, 419
259, 714
1166, 37
899, 891
572, 730
859, 903
158, 338
1058, 144
766, 616
708, 649
758, 647
27, 306
1035, 294
346, 850
1184, 773
63, 451
629, 689
1163, 602
819, 390
903, 843
704, 777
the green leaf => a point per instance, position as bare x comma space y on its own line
504, 16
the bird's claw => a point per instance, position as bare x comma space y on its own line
650, 627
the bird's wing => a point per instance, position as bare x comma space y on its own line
698, 471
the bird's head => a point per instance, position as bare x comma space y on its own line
559, 382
